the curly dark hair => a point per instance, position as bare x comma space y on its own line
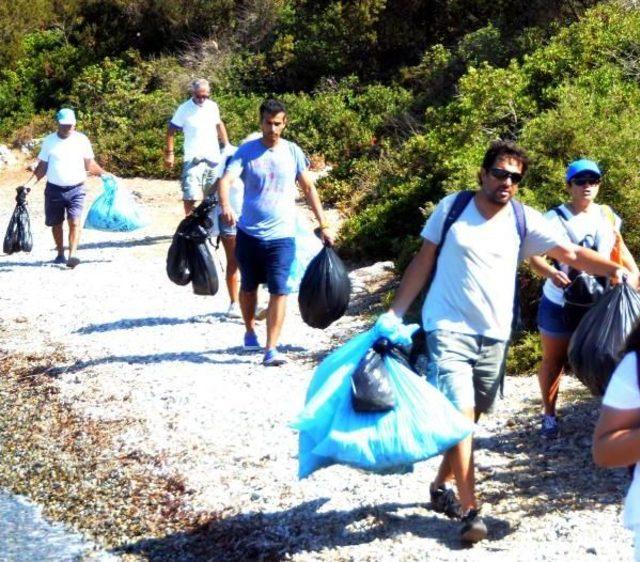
501, 148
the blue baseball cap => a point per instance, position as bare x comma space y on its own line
66, 116
583, 165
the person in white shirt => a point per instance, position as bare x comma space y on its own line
468, 311
65, 158
581, 221
199, 120
616, 439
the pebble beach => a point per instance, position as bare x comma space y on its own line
130, 412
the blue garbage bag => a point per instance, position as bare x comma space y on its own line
308, 246
423, 423
115, 209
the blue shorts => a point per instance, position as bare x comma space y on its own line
264, 261
59, 200
466, 368
551, 320
226, 230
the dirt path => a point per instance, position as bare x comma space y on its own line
159, 375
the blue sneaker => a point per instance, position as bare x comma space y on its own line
251, 342
273, 358
549, 428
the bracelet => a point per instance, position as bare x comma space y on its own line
324, 225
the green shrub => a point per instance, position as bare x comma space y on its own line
524, 355
126, 123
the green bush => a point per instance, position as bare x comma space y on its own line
126, 123
39, 79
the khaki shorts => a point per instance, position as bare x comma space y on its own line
198, 177
466, 368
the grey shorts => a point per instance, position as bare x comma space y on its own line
60, 200
467, 369
198, 178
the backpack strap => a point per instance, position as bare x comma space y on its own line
564, 220
521, 219
463, 198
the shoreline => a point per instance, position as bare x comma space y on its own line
66, 464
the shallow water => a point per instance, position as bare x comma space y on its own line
26, 537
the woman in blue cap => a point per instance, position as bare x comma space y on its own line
588, 224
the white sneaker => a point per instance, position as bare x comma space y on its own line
233, 311
261, 313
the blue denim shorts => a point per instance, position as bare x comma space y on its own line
466, 368
264, 261
551, 320
226, 230
198, 178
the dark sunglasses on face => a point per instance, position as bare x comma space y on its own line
581, 182
202, 97
501, 174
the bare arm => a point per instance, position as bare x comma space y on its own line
628, 260
543, 268
222, 134
93, 167
224, 186
591, 262
169, 157
414, 278
39, 172
616, 440
308, 187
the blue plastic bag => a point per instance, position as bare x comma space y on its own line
423, 423
115, 209
308, 245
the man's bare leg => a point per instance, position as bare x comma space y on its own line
275, 319
189, 206
58, 238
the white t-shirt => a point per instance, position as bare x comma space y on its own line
593, 227
623, 393
65, 158
473, 288
198, 123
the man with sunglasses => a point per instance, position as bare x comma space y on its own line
199, 120
468, 311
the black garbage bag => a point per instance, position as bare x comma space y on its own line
324, 290
199, 225
189, 257
598, 343
204, 277
177, 262
371, 389
583, 292
18, 236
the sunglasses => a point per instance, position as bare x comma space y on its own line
581, 182
501, 174
202, 97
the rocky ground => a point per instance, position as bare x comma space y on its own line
129, 410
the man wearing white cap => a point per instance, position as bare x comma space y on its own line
65, 158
